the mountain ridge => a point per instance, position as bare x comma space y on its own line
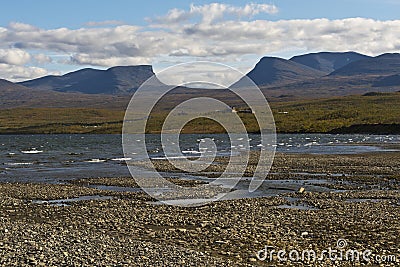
384, 65
114, 80
328, 61
275, 70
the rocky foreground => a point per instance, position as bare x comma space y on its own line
360, 209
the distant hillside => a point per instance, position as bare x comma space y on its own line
392, 80
10, 87
115, 80
273, 70
386, 64
371, 113
327, 86
328, 61
14, 95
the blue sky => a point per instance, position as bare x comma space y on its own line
74, 14
53, 37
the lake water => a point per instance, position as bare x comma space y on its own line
56, 158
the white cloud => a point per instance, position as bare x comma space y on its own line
20, 73
86, 59
21, 27
200, 74
214, 11
263, 37
14, 56
42, 58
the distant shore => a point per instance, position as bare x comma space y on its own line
373, 129
366, 114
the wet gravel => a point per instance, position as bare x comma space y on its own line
127, 230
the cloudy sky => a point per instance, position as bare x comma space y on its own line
44, 37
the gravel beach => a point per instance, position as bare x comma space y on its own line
360, 206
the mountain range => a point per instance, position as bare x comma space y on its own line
314, 75
326, 74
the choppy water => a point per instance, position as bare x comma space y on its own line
55, 158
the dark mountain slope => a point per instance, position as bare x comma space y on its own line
383, 65
328, 61
392, 80
273, 70
115, 80
14, 95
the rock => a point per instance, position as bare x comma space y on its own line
301, 190
32, 261
203, 224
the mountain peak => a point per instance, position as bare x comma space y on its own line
131, 67
274, 70
4, 82
269, 58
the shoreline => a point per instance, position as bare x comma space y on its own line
364, 129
